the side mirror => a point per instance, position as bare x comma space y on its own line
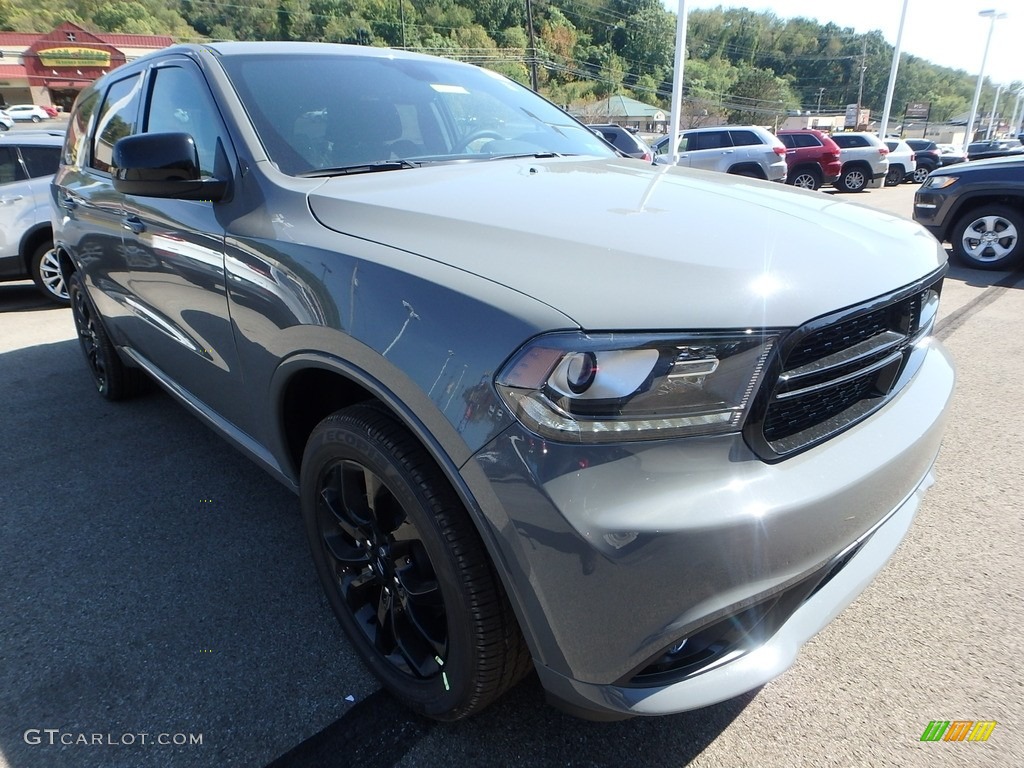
163, 165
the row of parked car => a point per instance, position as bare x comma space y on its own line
807, 158
30, 113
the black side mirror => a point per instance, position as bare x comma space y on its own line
163, 165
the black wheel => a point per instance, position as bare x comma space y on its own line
853, 180
805, 178
114, 380
36, 118
895, 175
920, 174
404, 570
4, 127
989, 238
46, 273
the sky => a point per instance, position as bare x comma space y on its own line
947, 33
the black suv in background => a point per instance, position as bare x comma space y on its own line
928, 157
977, 207
624, 140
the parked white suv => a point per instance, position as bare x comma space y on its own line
745, 150
28, 160
865, 161
902, 162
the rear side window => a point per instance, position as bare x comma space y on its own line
41, 161
77, 139
710, 140
745, 138
118, 118
10, 167
807, 140
848, 142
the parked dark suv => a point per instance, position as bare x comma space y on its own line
927, 157
624, 140
812, 158
978, 207
544, 408
28, 160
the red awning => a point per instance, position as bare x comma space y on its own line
13, 71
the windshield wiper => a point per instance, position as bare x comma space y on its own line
344, 170
534, 155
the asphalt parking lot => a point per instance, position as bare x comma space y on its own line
158, 606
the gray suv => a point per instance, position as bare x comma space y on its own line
28, 160
539, 412
744, 150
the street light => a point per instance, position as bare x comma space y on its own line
992, 15
992, 117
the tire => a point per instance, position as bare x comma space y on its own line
404, 569
113, 379
4, 127
853, 179
46, 274
989, 238
805, 178
36, 118
920, 174
895, 176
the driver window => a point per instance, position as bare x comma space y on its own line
180, 102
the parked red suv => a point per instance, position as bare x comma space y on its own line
812, 158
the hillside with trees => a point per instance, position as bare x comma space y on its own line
741, 65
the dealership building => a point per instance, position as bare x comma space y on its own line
50, 69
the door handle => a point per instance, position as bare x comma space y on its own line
133, 223
10, 200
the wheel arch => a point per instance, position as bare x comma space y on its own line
317, 384
32, 239
748, 169
971, 202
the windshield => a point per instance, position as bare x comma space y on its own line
326, 113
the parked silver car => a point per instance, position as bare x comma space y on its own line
744, 150
642, 429
865, 161
28, 160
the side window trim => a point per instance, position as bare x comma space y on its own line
97, 127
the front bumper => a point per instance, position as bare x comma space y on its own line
614, 554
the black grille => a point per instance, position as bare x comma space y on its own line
837, 370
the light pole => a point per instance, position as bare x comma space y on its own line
992, 117
821, 92
892, 76
992, 15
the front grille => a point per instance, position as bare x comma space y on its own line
838, 369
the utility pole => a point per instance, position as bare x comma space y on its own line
863, 69
401, 11
533, 45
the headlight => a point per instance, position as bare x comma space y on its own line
939, 182
613, 387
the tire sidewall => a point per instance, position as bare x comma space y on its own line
337, 441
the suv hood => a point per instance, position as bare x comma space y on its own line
617, 244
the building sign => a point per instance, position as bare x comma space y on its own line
918, 110
74, 57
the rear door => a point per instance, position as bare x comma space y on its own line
711, 150
17, 212
90, 210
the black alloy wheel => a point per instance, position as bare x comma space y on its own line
404, 569
894, 177
113, 379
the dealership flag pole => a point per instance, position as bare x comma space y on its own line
677, 83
